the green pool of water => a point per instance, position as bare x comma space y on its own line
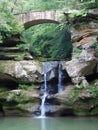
68, 123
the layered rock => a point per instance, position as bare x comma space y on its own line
84, 36
21, 71
81, 67
19, 102
75, 101
81, 97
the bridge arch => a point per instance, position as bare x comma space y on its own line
39, 21
39, 17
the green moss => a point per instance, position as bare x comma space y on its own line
1, 67
20, 56
42, 59
3, 89
93, 90
76, 52
94, 111
81, 113
24, 107
74, 95
85, 105
95, 20
26, 87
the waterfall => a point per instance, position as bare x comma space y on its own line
60, 86
51, 70
43, 98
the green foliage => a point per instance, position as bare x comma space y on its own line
81, 86
25, 6
93, 90
38, 37
23, 86
26, 87
74, 95
49, 41
19, 6
3, 89
20, 56
61, 44
22, 46
96, 47
0, 39
89, 4
9, 25
76, 52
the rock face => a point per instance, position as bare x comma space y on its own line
84, 65
26, 71
74, 101
19, 102
81, 97
21, 71
51, 68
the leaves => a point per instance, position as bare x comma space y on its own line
38, 37
49, 41
9, 25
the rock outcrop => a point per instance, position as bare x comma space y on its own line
21, 71
80, 98
19, 102
75, 101
85, 37
82, 66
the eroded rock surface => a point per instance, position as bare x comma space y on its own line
21, 71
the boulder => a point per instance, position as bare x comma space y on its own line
93, 12
19, 102
83, 65
21, 71
74, 101
76, 68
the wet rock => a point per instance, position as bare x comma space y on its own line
51, 69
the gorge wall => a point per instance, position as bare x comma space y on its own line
21, 79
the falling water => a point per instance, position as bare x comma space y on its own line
60, 86
44, 95
48, 73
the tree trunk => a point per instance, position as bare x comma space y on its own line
15, 1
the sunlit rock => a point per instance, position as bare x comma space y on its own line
21, 71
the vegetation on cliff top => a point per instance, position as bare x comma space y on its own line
46, 40
9, 25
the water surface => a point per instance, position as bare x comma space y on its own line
68, 123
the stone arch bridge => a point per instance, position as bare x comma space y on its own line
38, 17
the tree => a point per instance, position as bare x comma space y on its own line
9, 25
61, 44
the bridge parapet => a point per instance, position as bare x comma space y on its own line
51, 16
